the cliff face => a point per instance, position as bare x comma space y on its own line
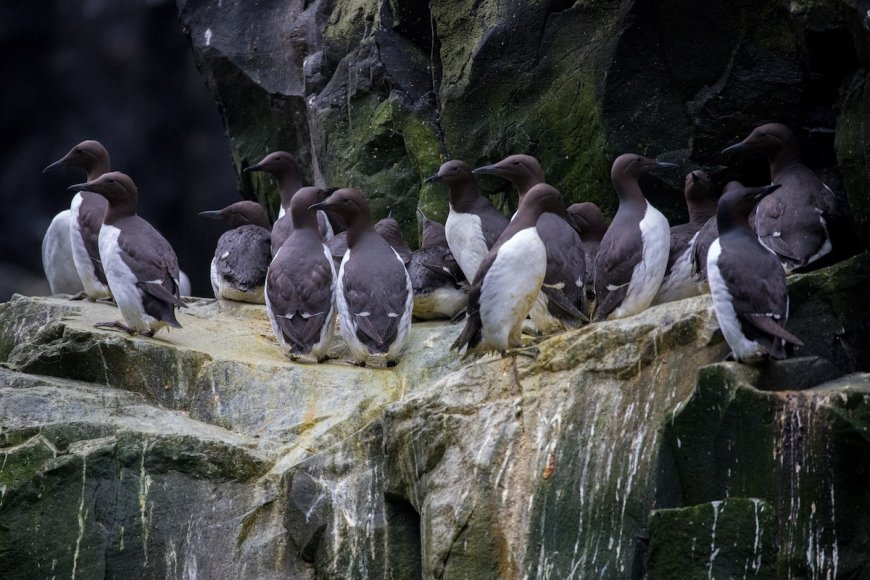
622, 449
376, 93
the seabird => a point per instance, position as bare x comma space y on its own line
440, 289
680, 280
566, 260
300, 286
283, 167
373, 295
591, 225
633, 255
78, 229
747, 281
705, 238
473, 223
242, 255
140, 265
388, 228
509, 278
792, 221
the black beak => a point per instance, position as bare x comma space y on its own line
485, 170
79, 187
736, 147
215, 215
432, 178
664, 165
55, 165
250, 168
319, 206
695, 178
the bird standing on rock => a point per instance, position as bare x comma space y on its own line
283, 167
562, 302
140, 265
300, 285
680, 280
793, 221
473, 223
509, 278
72, 241
747, 281
591, 225
373, 295
242, 255
633, 255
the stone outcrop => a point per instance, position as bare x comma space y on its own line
621, 449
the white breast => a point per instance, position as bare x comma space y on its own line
122, 283
57, 260
742, 347
510, 288
465, 239
655, 235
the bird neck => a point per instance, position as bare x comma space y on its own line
701, 211
463, 195
728, 223
120, 209
288, 184
782, 159
100, 166
302, 219
356, 231
525, 183
628, 192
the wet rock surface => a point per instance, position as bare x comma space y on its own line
205, 452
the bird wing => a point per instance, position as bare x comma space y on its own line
375, 287
91, 213
242, 256
301, 300
614, 265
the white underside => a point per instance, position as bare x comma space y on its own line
466, 242
510, 288
742, 347
225, 290
347, 326
655, 235
57, 259
543, 321
681, 282
440, 303
183, 284
83, 263
321, 347
122, 283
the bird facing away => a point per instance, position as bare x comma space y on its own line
440, 289
793, 221
373, 295
680, 280
140, 265
81, 231
388, 228
562, 302
633, 254
242, 254
300, 285
473, 224
591, 225
747, 281
283, 167
509, 279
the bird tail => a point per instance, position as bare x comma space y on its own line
470, 335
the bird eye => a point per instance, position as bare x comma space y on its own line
77, 150
516, 162
111, 181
